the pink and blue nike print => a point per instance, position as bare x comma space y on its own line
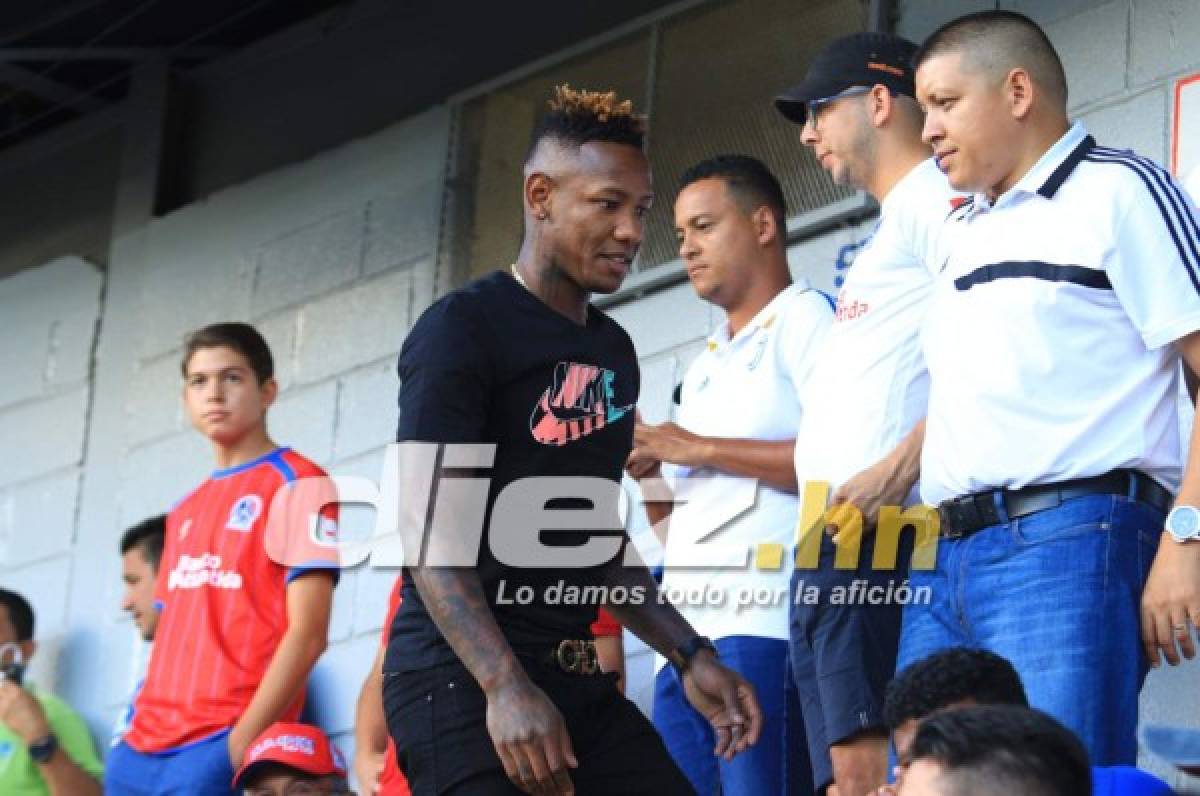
579, 402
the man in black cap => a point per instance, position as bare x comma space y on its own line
864, 403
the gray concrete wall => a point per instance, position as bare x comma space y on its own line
50, 316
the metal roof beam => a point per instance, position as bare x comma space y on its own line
47, 89
126, 54
49, 20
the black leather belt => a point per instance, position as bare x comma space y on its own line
573, 656
965, 515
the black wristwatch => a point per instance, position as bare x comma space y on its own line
43, 749
682, 655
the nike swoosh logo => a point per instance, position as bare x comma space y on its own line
579, 403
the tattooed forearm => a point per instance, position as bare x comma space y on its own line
653, 621
456, 602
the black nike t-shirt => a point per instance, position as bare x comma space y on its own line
492, 363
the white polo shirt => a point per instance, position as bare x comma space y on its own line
746, 387
869, 385
1049, 338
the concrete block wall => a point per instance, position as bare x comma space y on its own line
50, 318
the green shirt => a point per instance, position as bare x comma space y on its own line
19, 775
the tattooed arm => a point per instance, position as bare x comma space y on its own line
529, 733
446, 371
720, 694
526, 728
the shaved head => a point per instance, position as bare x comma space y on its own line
995, 43
907, 115
552, 157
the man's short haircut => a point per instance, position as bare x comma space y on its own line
20, 614
750, 183
148, 536
998, 41
950, 677
241, 337
579, 117
337, 784
999, 750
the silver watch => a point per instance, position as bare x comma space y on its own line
1183, 523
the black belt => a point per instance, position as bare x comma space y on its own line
965, 515
573, 656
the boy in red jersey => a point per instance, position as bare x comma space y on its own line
239, 631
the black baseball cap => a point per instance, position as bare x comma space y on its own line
860, 59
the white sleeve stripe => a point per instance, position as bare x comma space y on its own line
1180, 223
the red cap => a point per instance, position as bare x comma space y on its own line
299, 746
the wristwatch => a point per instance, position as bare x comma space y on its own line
1183, 523
682, 655
43, 749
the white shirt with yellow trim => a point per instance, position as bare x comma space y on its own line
744, 387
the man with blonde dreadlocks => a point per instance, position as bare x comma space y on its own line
490, 679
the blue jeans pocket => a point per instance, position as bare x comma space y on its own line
1081, 517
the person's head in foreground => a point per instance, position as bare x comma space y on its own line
961, 677
995, 750
586, 193
995, 98
290, 759
953, 678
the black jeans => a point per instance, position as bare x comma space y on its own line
437, 717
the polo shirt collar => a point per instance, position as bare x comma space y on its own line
1052, 169
763, 319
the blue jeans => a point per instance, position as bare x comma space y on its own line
1058, 594
768, 767
200, 767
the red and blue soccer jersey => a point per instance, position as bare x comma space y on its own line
223, 602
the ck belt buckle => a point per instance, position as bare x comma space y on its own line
576, 656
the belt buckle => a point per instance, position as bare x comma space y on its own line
576, 656
948, 514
